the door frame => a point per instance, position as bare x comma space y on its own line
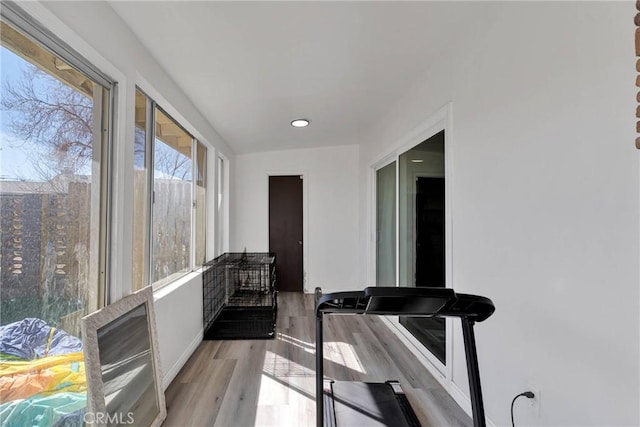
440, 120
304, 174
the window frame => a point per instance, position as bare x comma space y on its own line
441, 120
221, 199
152, 107
32, 29
194, 197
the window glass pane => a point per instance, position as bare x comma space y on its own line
386, 225
50, 188
52, 226
140, 195
422, 232
221, 219
172, 201
201, 203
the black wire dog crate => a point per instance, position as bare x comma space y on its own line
239, 296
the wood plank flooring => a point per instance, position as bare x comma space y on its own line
243, 383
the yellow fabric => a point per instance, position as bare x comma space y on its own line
53, 374
49, 339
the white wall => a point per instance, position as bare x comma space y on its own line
331, 232
96, 32
545, 204
178, 309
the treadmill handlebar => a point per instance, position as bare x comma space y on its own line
405, 301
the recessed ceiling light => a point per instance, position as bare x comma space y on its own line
300, 123
417, 160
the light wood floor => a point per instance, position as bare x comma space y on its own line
272, 382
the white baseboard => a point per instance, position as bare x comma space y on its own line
171, 373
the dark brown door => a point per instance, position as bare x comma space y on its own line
285, 230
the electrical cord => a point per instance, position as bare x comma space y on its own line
527, 394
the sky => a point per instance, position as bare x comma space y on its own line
14, 160
16, 155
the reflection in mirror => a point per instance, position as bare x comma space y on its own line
121, 355
127, 367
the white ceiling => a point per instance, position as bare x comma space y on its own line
252, 67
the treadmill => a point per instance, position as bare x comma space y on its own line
350, 403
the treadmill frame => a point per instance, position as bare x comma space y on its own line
427, 302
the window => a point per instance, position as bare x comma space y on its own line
53, 188
54, 161
170, 197
200, 203
141, 193
386, 225
172, 200
221, 209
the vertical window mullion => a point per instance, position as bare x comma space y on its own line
149, 158
194, 178
220, 206
106, 180
200, 206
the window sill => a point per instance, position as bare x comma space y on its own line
176, 284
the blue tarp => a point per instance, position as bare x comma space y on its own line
32, 338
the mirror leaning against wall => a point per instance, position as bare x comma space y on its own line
123, 369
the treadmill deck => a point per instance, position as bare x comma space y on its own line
367, 404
